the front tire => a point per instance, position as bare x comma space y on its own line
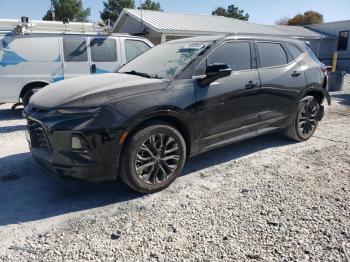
305, 120
153, 158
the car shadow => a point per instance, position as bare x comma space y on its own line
29, 193
234, 151
343, 99
10, 114
10, 129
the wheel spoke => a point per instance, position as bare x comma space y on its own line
146, 149
157, 158
139, 169
172, 157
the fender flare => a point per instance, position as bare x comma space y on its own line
319, 90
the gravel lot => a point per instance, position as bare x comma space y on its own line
264, 199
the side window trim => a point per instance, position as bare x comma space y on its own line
285, 44
252, 53
289, 61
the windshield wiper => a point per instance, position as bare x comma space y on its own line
133, 72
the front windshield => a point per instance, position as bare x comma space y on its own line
164, 61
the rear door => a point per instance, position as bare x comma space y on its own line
104, 54
76, 61
282, 79
229, 106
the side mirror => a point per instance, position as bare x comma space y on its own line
214, 72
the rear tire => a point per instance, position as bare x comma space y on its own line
305, 120
153, 158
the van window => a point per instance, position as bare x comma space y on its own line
235, 54
134, 48
75, 49
343, 39
272, 54
295, 51
103, 50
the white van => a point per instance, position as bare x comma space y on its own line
35, 54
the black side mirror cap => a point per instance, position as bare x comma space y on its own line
216, 71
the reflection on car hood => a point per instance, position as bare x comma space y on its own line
93, 90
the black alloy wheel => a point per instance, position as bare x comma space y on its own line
305, 120
157, 158
153, 157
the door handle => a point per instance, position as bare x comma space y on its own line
251, 85
93, 68
296, 73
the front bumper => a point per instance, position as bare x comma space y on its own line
52, 149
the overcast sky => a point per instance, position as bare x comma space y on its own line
261, 11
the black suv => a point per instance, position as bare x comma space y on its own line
177, 100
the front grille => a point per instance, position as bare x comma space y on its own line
38, 136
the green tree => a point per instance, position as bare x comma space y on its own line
72, 9
307, 18
232, 11
151, 5
113, 8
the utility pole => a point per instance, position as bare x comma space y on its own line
53, 10
141, 16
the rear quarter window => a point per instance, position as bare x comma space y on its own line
271, 54
294, 50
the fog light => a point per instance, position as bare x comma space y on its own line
76, 143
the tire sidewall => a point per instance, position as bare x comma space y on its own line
301, 105
26, 97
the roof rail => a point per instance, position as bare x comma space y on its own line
26, 25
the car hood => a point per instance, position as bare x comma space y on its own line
93, 90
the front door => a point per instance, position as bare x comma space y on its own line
76, 61
105, 57
230, 105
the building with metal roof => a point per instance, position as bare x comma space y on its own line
163, 26
340, 30
160, 27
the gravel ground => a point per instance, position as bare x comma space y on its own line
266, 199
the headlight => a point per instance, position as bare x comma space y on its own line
69, 111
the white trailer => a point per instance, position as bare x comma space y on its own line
34, 54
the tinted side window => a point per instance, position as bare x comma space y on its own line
75, 49
295, 51
134, 48
103, 50
235, 54
272, 54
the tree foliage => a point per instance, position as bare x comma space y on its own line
282, 21
307, 18
232, 11
151, 5
72, 9
113, 8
